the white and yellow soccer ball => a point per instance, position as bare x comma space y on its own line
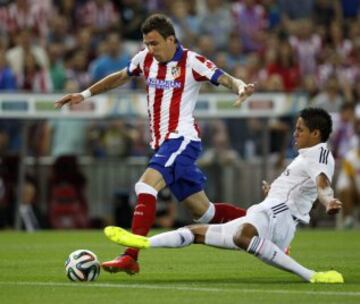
82, 265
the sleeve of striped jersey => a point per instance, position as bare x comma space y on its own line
134, 67
314, 167
205, 68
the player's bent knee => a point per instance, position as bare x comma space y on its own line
204, 215
199, 232
141, 187
244, 235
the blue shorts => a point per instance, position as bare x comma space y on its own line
175, 160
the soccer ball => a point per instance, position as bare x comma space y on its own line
82, 265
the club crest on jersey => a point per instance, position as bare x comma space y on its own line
210, 65
175, 72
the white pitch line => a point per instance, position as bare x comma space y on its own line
185, 288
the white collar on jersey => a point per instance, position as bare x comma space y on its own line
312, 148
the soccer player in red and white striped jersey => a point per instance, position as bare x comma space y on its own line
173, 78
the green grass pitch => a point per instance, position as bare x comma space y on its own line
32, 271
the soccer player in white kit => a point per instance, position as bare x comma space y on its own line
269, 227
173, 77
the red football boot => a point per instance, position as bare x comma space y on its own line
124, 263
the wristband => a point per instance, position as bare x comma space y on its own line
86, 93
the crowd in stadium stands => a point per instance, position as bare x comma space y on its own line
49, 46
310, 46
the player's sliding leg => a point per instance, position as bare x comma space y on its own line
211, 235
143, 219
271, 254
125, 238
240, 235
172, 239
233, 235
246, 238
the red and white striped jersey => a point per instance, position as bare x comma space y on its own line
172, 90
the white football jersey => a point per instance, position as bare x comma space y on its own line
172, 90
296, 186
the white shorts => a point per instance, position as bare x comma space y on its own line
278, 227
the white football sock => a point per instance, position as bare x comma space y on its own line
173, 239
268, 252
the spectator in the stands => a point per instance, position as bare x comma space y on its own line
56, 66
26, 14
115, 59
132, 14
7, 77
77, 69
250, 23
219, 29
285, 66
99, 15
307, 46
34, 78
329, 99
186, 25
25, 44
342, 138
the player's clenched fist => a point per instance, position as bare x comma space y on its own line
244, 92
334, 206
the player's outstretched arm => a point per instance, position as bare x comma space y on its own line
326, 195
108, 83
237, 86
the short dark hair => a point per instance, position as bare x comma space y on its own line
317, 119
160, 23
